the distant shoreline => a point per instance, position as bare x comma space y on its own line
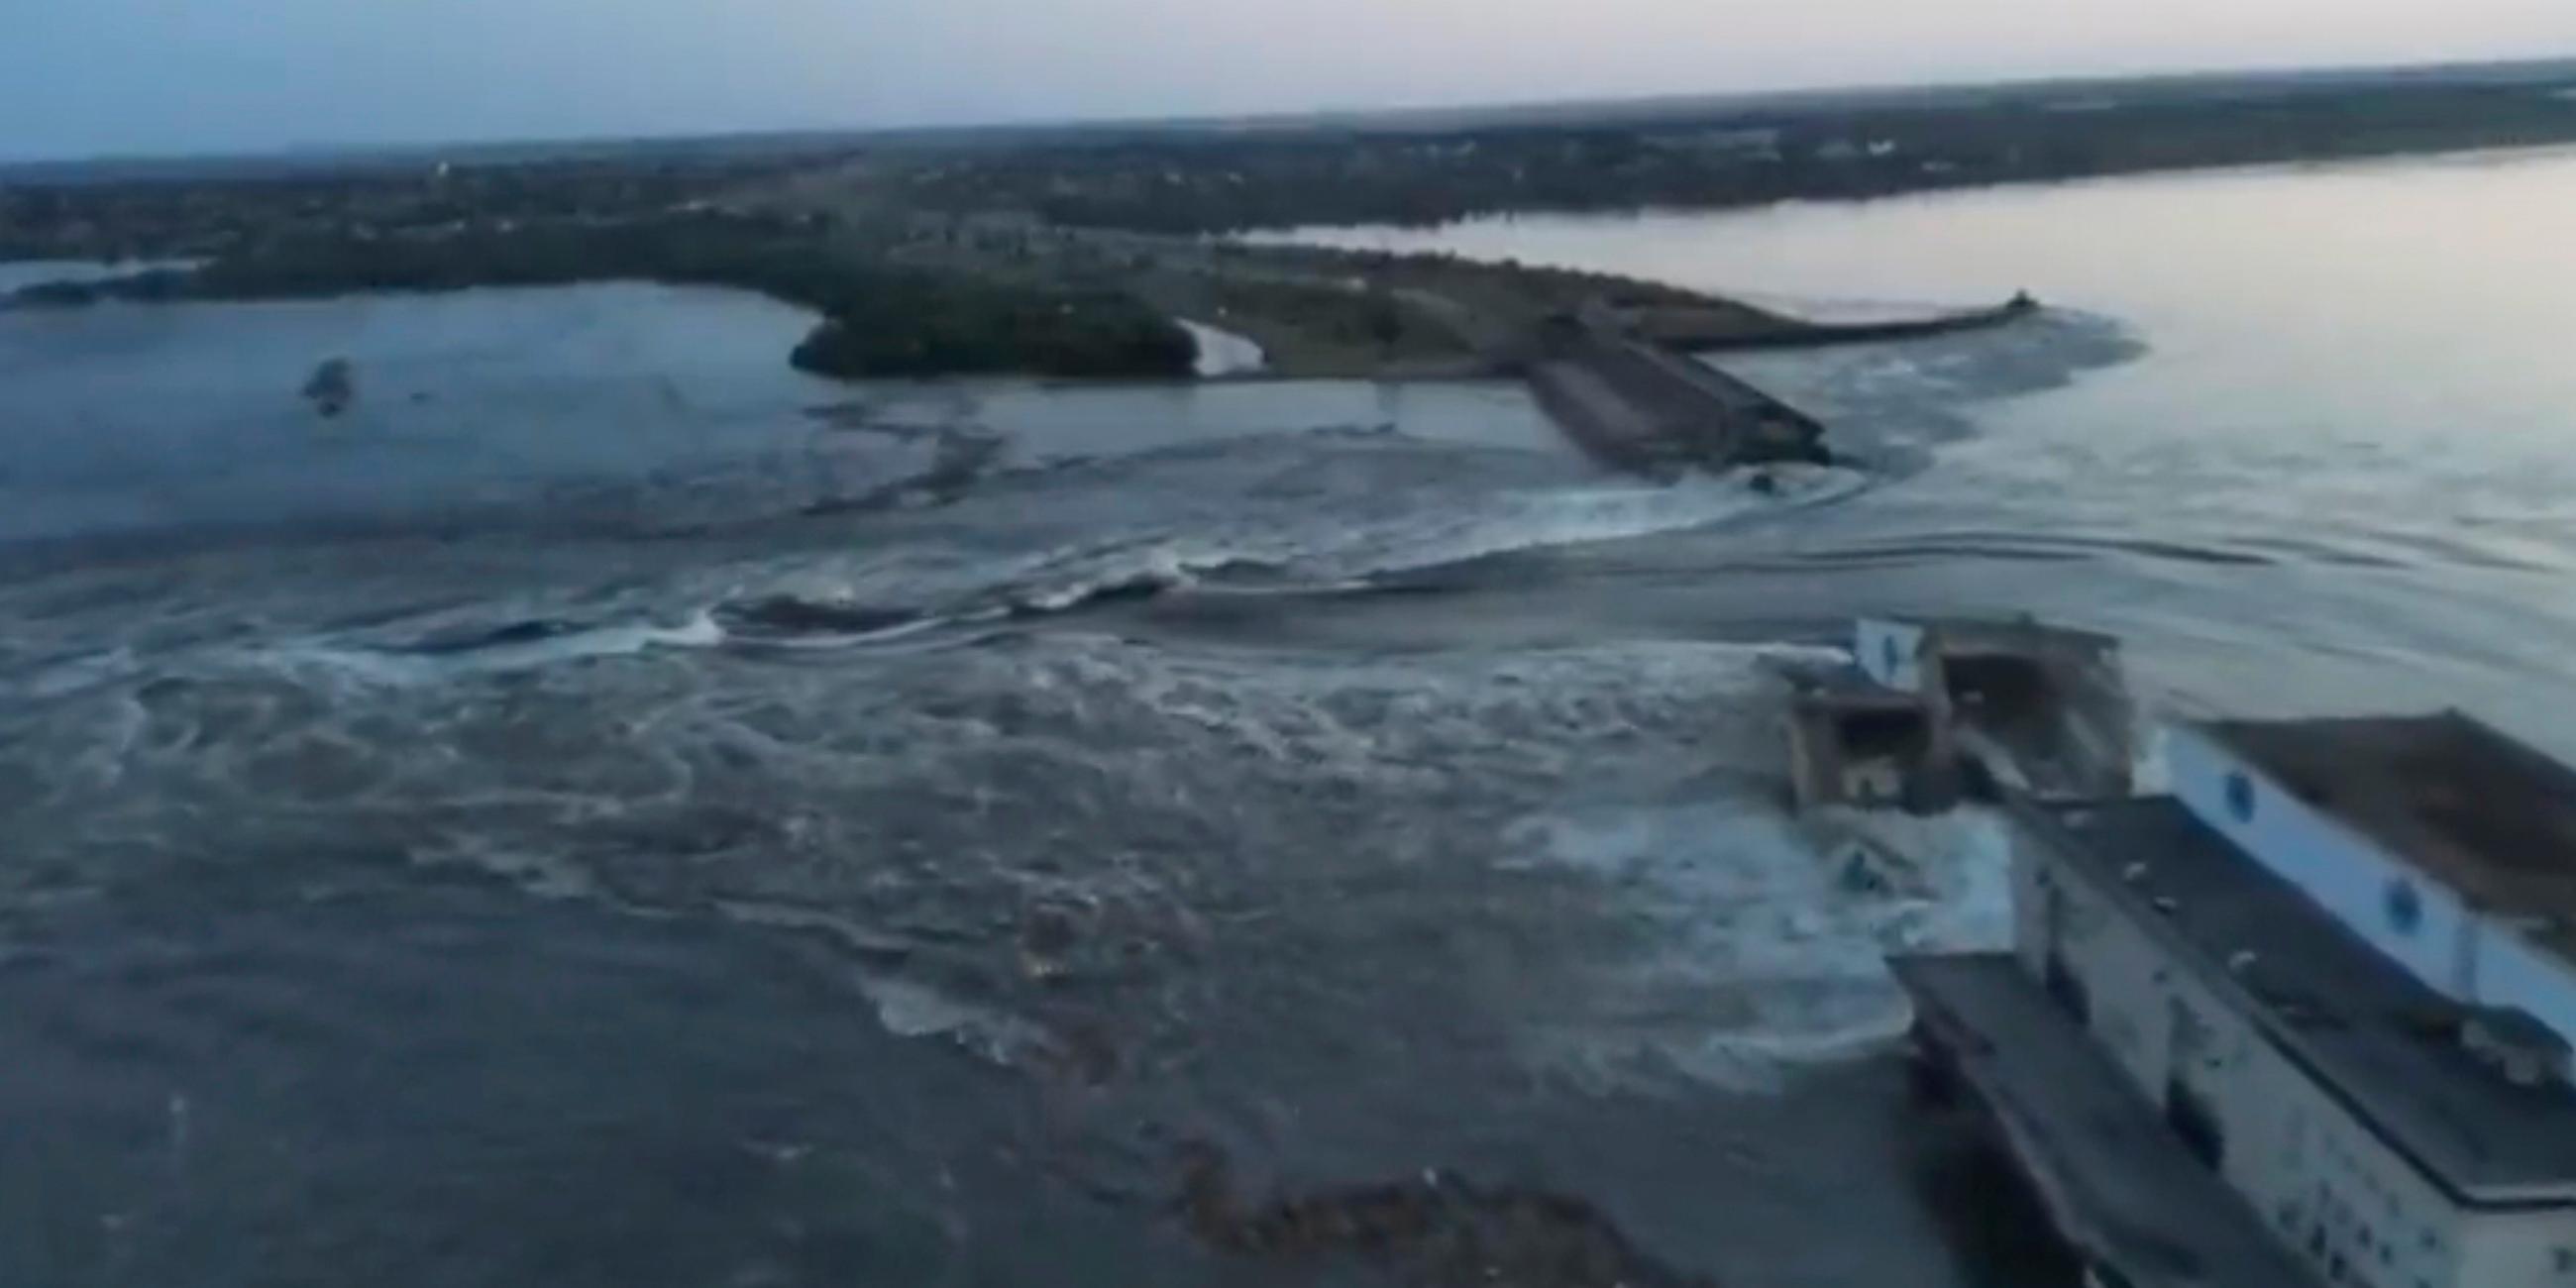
1724, 154
875, 320
731, 147
1069, 254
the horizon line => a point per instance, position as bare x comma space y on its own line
1313, 117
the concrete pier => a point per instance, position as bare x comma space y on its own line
2117, 1182
1711, 331
1637, 406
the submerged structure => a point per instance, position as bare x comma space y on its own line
1930, 708
2308, 1019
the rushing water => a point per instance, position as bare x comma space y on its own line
608, 810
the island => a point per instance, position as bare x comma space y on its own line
924, 295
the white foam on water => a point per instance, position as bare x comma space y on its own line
543, 873
1311, 548
1522, 710
1304, 544
1755, 955
895, 634
1330, 548
847, 930
1167, 564
1222, 352
376, 666
348, 665
73, 675
1525, 520
699, 631
2150, 773
910, 1009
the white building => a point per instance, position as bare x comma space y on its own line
2341, 962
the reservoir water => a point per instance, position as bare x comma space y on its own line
608, 810
2336, 470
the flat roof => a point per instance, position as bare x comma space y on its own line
2488, 816
2115, 1179
2373, 1036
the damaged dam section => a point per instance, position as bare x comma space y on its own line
1640, 407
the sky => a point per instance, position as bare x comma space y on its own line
102, 77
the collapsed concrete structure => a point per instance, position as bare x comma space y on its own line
1929, 709
1642, 408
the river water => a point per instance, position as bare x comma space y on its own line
2336, 473
609, 810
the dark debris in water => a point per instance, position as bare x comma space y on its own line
794, 615
1436, 1230
530, 631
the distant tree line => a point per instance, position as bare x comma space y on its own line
1202, 184
879, 320
202, 209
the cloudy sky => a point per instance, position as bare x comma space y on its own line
85, 77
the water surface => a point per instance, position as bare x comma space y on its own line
2337, 473
612, 810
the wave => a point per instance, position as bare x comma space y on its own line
1933, 548
1330, 554
814, 620
527, 632
513, 646
1516, 522
932, 592
1945, 546
1755, 954
1354, 553
78, 672
797, 616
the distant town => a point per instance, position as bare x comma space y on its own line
1071, 251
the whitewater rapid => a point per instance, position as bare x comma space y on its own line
1229, 768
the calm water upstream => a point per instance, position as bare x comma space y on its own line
608, 810
2339, 471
